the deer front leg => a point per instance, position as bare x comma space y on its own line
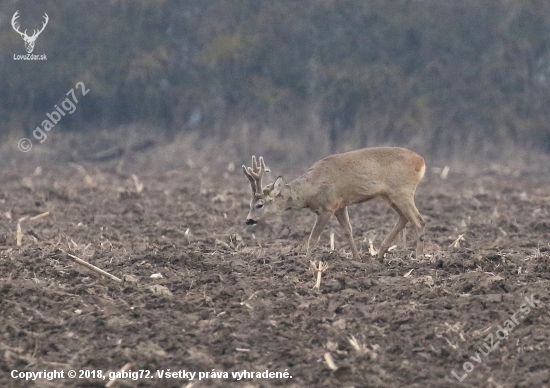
394, 232
320, 223
405, 207
343, 219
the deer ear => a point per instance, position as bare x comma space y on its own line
267, 190
277, 187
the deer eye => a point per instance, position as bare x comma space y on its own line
259, 206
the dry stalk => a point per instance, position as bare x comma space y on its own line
39, 216
451, 344
456, 243
445, 172
372, 251
330, 361
19, 234
322, 268
137, 183
354, 343
331, 241
92, 267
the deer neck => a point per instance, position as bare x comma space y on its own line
296, 194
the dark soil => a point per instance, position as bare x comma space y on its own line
234, 298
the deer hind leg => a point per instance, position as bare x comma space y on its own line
320, 223
394, 232
343, 219
405, 206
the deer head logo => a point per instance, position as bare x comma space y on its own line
29, 40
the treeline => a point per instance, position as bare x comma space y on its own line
435, 75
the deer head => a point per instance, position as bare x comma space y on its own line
29, 40
261, 198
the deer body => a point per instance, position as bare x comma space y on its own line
338, 181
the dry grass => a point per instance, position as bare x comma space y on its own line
132, 148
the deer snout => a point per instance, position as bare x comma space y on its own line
250, 221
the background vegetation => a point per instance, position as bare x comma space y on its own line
456, 78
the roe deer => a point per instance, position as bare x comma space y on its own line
340, 180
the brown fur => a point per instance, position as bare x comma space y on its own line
338, 181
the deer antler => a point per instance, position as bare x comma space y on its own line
29, 40
255, 174
15, 24
37, 32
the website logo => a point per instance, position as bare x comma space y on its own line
29, 40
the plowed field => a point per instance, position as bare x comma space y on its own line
226, 297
